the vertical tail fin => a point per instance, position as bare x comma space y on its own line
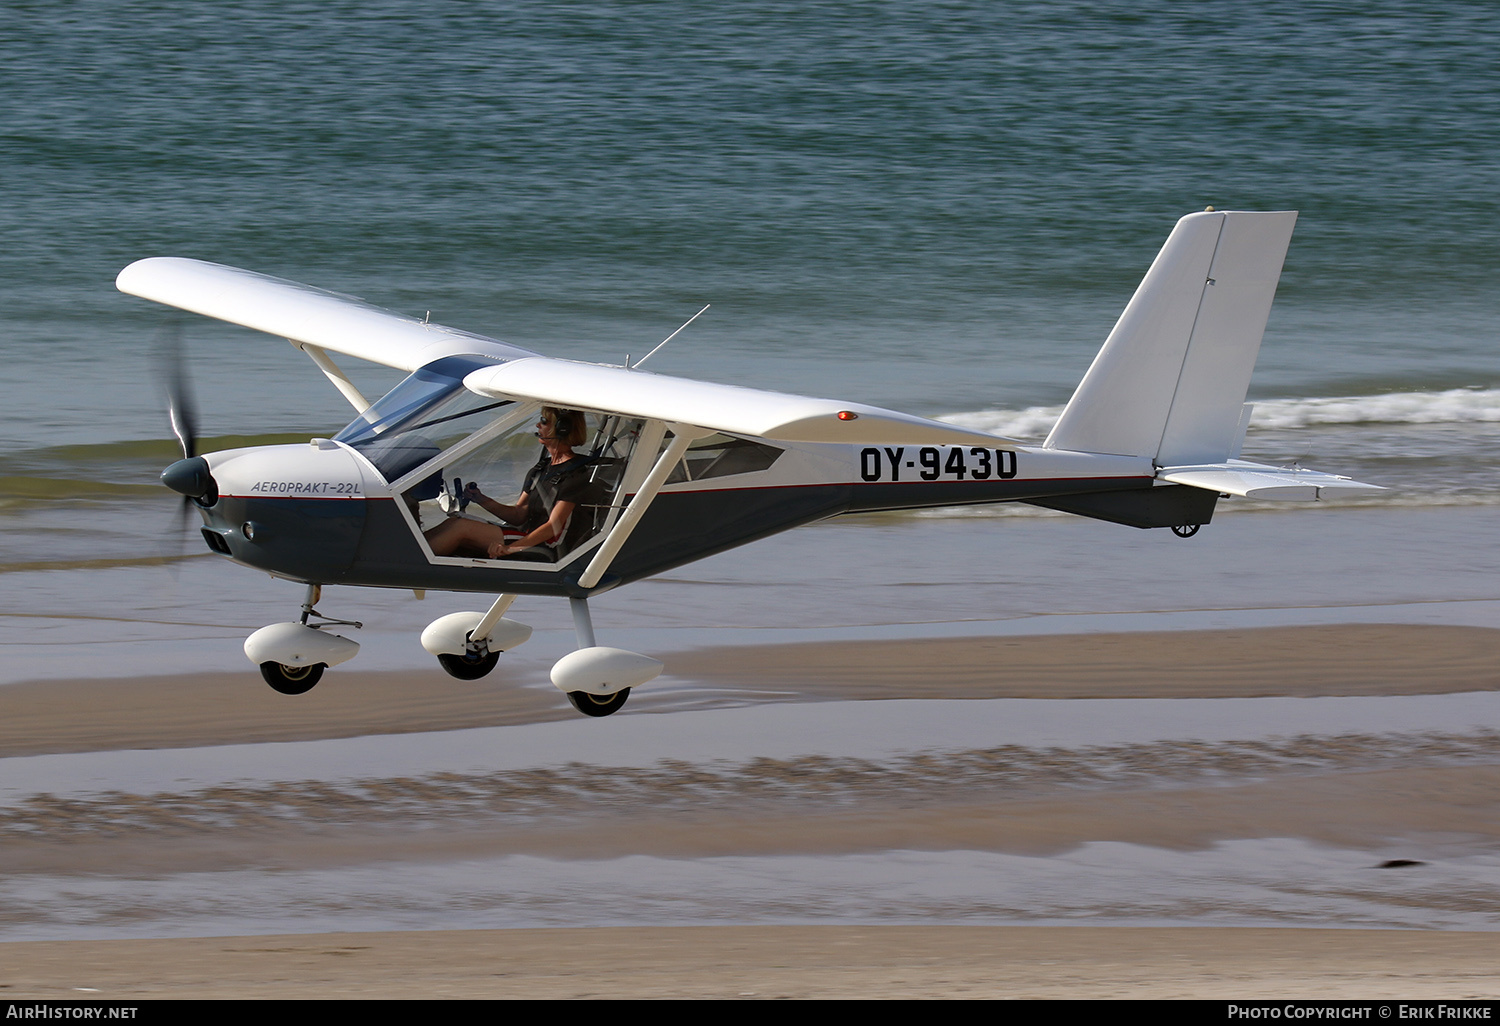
1170, 381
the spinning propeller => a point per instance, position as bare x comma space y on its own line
189, 475
181, 409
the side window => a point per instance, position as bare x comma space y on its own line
723, 456
498, 467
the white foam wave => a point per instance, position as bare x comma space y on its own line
1034, 422
1451, 406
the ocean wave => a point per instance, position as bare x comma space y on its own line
105, 470
25, 490
1450, 406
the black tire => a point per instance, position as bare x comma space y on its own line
597, 705
466, 667
292, 680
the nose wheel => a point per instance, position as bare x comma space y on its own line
292, 680
293, 656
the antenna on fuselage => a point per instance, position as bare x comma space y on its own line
664, 341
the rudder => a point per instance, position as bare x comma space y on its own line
1170, 381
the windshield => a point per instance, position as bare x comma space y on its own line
421, 416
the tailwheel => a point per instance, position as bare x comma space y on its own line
598, 705
468, 666
292, 680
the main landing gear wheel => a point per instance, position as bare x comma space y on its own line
598, 705
1186, 530
468, 667
292, 680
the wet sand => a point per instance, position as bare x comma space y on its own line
1427, 804
237, 708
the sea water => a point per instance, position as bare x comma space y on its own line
935, 207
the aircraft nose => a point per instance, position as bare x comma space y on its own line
190, 477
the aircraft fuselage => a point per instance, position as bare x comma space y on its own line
321, 513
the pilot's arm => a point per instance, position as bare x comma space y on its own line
510, 514
553, 528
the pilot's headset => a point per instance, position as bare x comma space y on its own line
568, 425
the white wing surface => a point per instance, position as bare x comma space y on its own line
729, 408
303, 314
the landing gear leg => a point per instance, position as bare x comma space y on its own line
583, 623
314, 596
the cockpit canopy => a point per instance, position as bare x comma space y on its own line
423, 415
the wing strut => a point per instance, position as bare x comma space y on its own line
331, 370
682, 437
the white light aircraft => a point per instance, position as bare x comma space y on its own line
643, 472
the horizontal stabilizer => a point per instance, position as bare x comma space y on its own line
302, 313
1257, 481
741, 411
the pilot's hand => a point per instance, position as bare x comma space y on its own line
472, 492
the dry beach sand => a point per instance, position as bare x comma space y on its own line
772, 962
1425, 800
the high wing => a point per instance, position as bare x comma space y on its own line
316, 320
303, 314
777, 416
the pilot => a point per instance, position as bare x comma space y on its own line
554, 488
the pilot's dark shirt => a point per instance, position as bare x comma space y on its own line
547, 485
